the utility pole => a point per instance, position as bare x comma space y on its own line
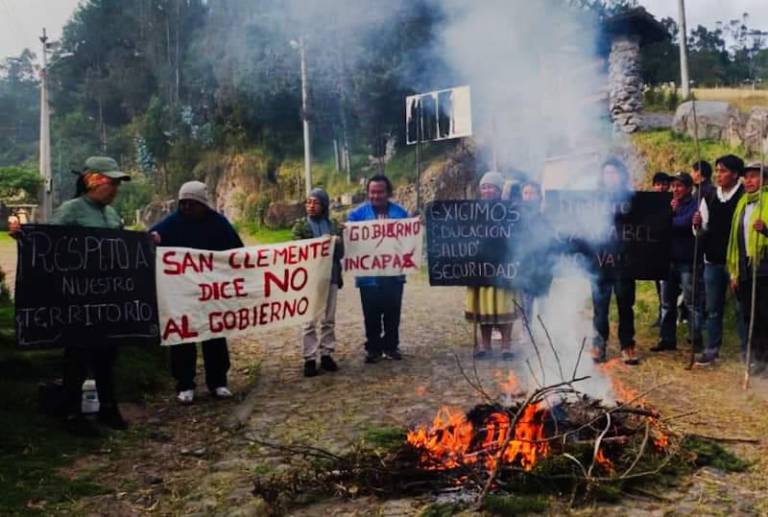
305, 114
46, 197
684, 78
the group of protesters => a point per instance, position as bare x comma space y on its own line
721, 226
718, 244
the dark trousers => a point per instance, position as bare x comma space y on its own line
184, 363
760, 331
681, 279
716, 284
100, 361
381, 311
602, 287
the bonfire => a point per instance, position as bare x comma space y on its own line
553, 423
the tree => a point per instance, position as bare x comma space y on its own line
660, 61
19, 184
19, 108
708, 58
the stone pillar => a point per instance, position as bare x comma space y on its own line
625, 84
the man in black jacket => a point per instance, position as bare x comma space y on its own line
615, 183
196, 225
712, 222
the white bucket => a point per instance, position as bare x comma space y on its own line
90, 401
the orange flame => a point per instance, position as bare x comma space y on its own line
510, 385
627, 395
602, 460
452, 441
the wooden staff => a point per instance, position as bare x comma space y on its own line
755, 262
692, 317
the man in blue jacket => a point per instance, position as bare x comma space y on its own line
381, 296
197, 225
684, 207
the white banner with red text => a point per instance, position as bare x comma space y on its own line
383, 247
212, 294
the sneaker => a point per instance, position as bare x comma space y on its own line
186, 396
328, 364
372, 358
222, 392
705, 359
507, 356
310, 368
629, 356
482, 355
110, 416
598, 355
663, 346
394, 355
78, 425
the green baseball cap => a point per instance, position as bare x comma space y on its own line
106, 166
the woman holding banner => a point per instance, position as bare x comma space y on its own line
489, 306
316, 224
96, 189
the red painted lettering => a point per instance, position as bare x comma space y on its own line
183, 331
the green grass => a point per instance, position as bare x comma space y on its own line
33, 446
255, 234
646, 310
663, 150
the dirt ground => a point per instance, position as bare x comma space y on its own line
191, 461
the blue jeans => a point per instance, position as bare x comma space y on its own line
716, 284
601, 301
681, 279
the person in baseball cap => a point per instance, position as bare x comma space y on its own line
680, 277
196, 224
747, 262
96, 188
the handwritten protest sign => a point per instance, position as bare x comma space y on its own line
384, 247
631, 234
208, 294
80, 286
473, 242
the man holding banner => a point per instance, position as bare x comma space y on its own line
197, 225
615, 182
381, 296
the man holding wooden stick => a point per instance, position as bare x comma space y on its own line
748, 264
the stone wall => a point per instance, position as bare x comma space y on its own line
453, 178
625, 84
716, 120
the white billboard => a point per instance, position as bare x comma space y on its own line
438, 115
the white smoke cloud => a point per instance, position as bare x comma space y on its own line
538, 92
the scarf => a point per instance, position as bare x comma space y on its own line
319, 225
94, 179
755, 242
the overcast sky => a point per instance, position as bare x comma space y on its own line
21, 21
